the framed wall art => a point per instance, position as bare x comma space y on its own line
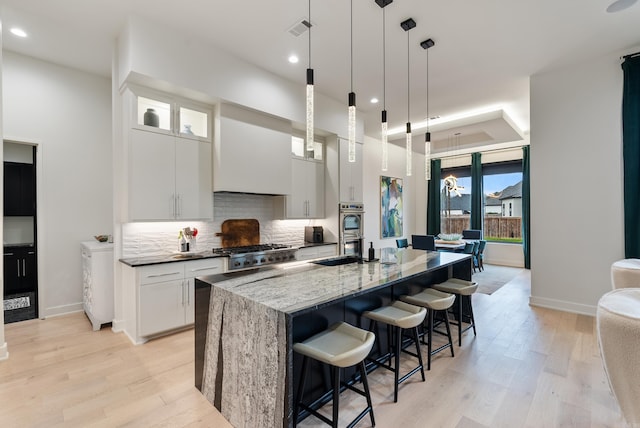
391, 208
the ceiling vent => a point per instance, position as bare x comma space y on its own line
300, 27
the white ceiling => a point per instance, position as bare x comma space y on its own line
484, 54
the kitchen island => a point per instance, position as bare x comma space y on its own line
247, 322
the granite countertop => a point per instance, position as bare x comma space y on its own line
168, 258
181, 257
300, 286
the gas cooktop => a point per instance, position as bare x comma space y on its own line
250, 256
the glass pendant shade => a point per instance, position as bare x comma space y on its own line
310, 144
408, 149
352, 127
385, 142
427, 156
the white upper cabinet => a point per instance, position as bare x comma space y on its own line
350, 173
307, 196
252, 152
169, 157
169, 178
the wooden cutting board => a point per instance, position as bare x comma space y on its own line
239, 232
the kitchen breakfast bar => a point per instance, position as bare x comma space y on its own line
247, 322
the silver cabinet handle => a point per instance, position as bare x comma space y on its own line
18, 263
162, 274
188, 294
182, 293
205, 268
179, 206
8, 254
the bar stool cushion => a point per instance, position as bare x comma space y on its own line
431, 299
341, 345
398, 314
625, 274
618, 321
457, 286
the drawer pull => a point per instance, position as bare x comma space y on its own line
204, 268
163, 274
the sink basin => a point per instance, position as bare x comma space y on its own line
187, 256
337, 261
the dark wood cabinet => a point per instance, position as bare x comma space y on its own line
20, 270
19, 189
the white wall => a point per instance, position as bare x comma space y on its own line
68, 114
576, 168
414, 192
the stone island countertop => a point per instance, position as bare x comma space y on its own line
246, 323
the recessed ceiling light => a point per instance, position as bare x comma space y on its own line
374, 100
18, 32
293, 59
620, 5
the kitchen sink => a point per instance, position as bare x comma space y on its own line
337, 261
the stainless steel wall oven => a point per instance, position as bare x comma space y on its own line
351, 228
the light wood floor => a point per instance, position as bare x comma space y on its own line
528, 367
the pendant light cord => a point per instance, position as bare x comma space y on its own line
309, 34
351, 45
408, 83
427, 90
384, 63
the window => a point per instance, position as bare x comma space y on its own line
455, 204
502, 186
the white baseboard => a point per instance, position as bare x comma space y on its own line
561, 305
61, 310
117, 326
504, 262
4, 352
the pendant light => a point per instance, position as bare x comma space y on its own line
427, 136
352, 104
384, 127
310, 145
406, 26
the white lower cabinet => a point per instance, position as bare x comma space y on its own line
162, 306
317, 251
163, 296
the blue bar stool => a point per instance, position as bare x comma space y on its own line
400, 316
341, 345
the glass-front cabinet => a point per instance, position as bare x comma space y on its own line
157, 112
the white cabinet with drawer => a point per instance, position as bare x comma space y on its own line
163, 296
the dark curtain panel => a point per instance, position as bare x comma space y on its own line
433, 201
477, 195
526, 208
631, 155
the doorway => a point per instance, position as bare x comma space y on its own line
20, 233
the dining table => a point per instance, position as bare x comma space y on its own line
454, 246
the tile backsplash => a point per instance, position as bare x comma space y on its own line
161, 238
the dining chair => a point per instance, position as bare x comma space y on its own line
402, 243
423, 242
480, 254
472, 234
476, 246
468, 248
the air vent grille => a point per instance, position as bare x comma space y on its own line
300, 27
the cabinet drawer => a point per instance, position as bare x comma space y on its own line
161, 273
196, 268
